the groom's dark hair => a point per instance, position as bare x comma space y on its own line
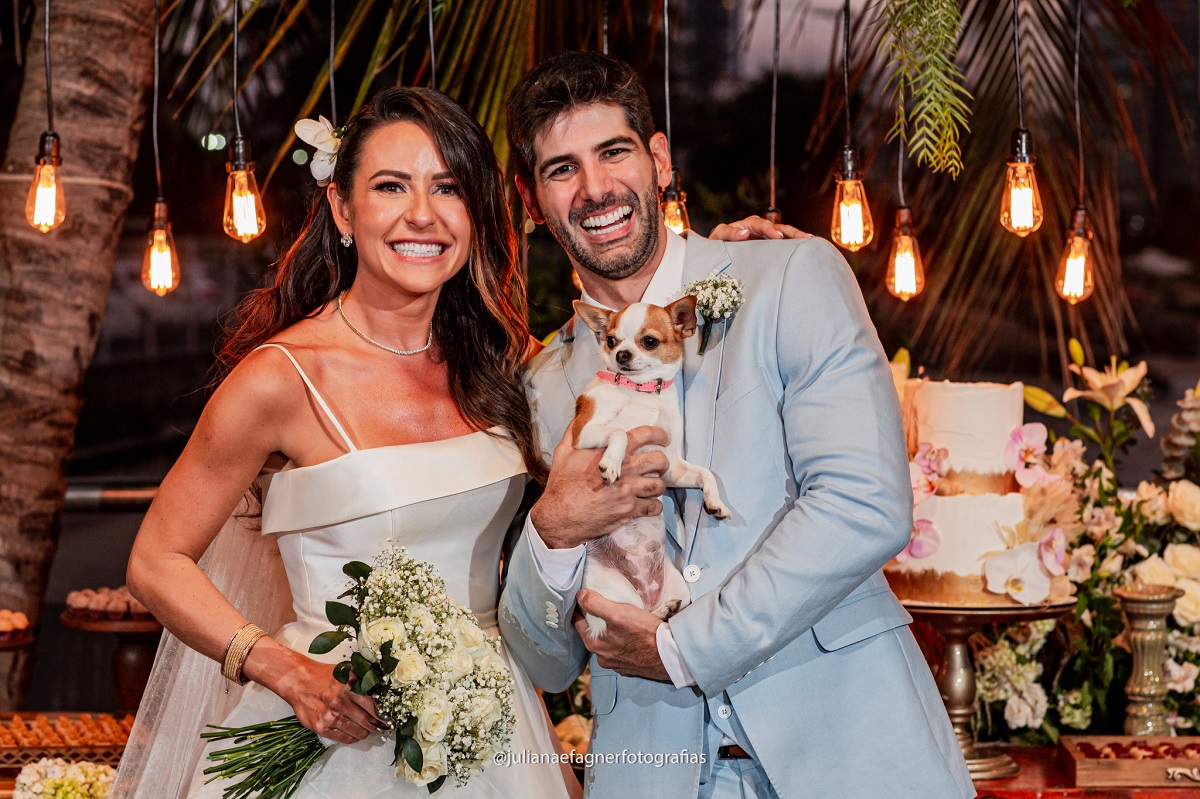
564, 82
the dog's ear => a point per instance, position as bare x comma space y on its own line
595, 318
683, 315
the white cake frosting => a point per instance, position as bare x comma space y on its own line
969, 527
971, 421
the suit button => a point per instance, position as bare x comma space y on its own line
724, 711
691, 573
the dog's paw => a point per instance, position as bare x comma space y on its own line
596, 626
717, 509
610, 469
668, 609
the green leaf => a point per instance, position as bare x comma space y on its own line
367, 682
340, 614
433, 786
325, 642
342, 671
356, 570
412, 754
360, 664
409, 729
387, 662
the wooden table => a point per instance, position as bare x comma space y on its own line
1042, 778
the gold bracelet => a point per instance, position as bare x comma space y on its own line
238, 649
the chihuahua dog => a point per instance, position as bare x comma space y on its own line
642, 347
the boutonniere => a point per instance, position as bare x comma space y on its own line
717, 297
321, 133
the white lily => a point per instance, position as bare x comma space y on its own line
321, 134
1111, 389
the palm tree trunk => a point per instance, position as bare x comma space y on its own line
53, 286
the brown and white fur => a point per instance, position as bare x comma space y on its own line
643, 343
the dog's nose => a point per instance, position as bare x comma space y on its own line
623, 356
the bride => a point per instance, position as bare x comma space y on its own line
377, 387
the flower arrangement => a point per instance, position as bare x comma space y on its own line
434, 675
55, 778
1045, 678
717, 297
321, 134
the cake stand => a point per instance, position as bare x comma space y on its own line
956, 673
133, 657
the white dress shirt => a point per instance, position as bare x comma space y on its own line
560, 567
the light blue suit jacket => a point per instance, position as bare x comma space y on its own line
792, 624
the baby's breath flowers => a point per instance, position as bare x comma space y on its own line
717, 297
435, 676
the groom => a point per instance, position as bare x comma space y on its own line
793, 672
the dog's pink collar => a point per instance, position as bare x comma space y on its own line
650, 387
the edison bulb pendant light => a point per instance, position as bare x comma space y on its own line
46, 206
1021, 206
674, 205
160, 266
852, 227
1076, 278
244, 216
906, 273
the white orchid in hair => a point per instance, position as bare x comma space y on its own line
320, 133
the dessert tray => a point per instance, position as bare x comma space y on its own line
28, 737
1130, 761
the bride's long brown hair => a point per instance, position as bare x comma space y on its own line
481, 334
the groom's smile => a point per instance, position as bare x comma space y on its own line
596, 187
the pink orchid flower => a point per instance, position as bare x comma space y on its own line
923, 542
1024, 454
1053, 551
929, 459
924, 485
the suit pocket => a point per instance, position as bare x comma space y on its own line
604, 693
858, 620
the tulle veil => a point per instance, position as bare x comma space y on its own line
186, 690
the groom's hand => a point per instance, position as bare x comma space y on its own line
629, 645
578, 505
756, 227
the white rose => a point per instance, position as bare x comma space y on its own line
492, 662
1187, 607
1184, 559
485, 709
1026, 708
1079, 568
410, 667
421, 622
434, 719
1184, 499
1180, 677
375, 634
469, 636
486, 754
433, 764
1153, 503
456, 664
1155, 571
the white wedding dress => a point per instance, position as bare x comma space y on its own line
450, 503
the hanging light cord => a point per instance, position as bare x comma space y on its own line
900, 175
604, 43
1078, 125
846, 66
332, 46
774, 98
49, 97
154, 105
237, 122
1017, 54
667, 68
432, 51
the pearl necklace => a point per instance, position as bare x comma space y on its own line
370, 340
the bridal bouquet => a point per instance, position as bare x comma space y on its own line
435, 677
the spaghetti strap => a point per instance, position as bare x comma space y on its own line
316, 394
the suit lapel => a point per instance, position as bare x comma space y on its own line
581, 356
701, 376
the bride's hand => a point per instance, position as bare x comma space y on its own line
326, 706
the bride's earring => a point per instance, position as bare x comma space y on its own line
347, 239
